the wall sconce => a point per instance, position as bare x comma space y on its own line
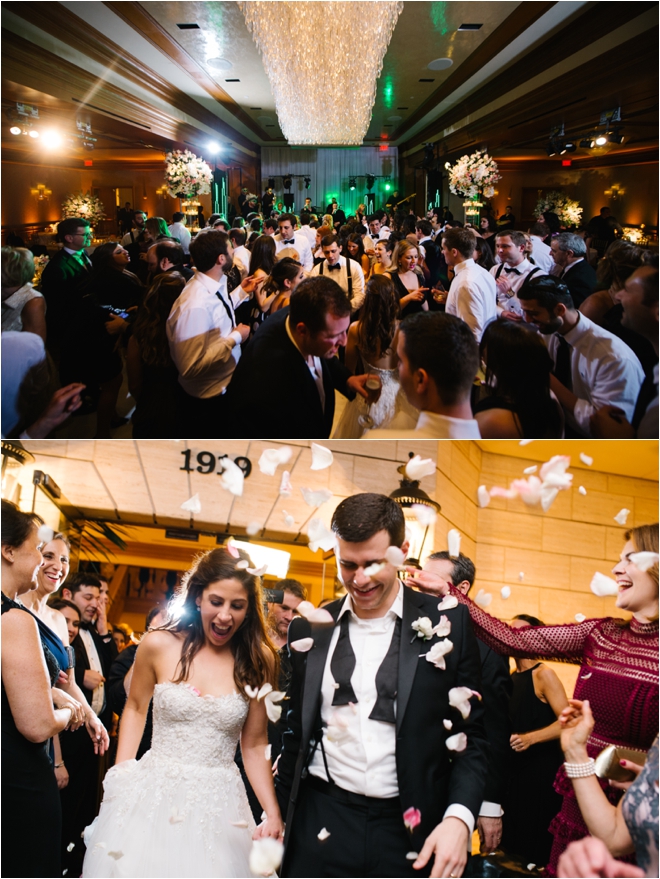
615, 192
162, 191
41, 193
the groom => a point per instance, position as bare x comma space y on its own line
366, 757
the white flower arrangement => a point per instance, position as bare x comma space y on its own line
85, 205
186, 174
473, 175
567, 209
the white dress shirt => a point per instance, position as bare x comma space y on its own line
310, 235
341, 277
242, 254
648, 426
203, 344
472, 296
506, 302
301, 245
178, 230
430, 425
361, 753
131, 237
542, 254
605, 371
98, 693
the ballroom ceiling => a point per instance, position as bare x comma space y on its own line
143, 82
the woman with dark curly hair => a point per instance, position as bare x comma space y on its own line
262, 259
355, 250
371, 347
152, 375
283, 279
487, 230
518, 402
182, 809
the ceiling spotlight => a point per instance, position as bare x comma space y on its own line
15, 129
51, 139
615, 137
587, 143
271, 183
601, 140
551, 149
388, 186
287, 181
33, 133
213, 147
351, 183
569, 146
308, 182
370, 181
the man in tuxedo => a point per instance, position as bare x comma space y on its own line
367, 753
289, 372
62, 279
513, 272
139, 218
288, 237
569, 252
345, 272
95, 652
496, 689
433, 259
167, 256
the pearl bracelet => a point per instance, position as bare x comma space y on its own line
581, 770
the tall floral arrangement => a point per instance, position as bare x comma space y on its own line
85, 205
567, 209
474, 175
186, 174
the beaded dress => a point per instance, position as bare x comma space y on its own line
618, 675
175, 812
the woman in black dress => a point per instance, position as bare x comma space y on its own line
408, 279
537, 700
29, 669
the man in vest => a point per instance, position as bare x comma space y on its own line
513, 272
346, 272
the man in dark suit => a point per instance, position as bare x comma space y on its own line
496, 689
288, 374
569, 252
374, 753
433, 259
95, 651
62, 278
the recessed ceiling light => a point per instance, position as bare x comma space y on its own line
440, 64
232, 80
402, 108
188, 27
255, 108
394, 118
470, 27
426, 80
220, 63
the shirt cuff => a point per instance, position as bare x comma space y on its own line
236, 336
582, 413
456, 810
491, 810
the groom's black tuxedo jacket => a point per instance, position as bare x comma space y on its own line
430, 777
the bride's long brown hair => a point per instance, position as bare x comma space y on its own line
255, 656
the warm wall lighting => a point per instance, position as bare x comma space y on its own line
41, 193
614, 192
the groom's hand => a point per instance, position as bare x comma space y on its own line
490, 833
426, 582
449, 843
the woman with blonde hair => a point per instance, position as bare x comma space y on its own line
23, 307
408, 279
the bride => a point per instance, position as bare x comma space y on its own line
372, 339
182, 810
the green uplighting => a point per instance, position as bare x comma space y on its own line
388, 92
439, 18
387, 187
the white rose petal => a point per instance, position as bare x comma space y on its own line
374, 570
548, 495
454, 543
483, 496
521, 576
437, 653
273, 711
418, 468
45, 534
321, 457
253, 528
448, 602
303, 645
265, 856
424, 627
320, 537
252, 692
268, 752
323, 834
242, 564
529, 470
116, 855
271, 459
525, 442
622, 516
70, 847
289, 521
394, 556
286, 489
505, 592
192, 505
316, 498
602, 585
531, 867
257, 572
556, 466
443, 627
425, 515
412, 856
483, 599
586, 459
242, 824
457, 742
232, 477
314, 614
580, 617
264, 690
459, 697
644, 560
582, 489
175, 818
447, 724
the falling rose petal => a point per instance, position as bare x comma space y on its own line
286, 489
622, 516
507, 493
268, 752
457, 742
274, 711
454, 543
531, 867
644, 560
394, 556
45, 534
529, 470
303, 645
232, 477
483, 599
483, 496
271, 459
418, 468
242, 824
443, 627
582, 489
257, 572
521, 576
321, 457
586, 677
320, 537
447, 724
525, 442
323, 834
586, 459
305, 608
70, 847
175, 818
316, 498
289, 521
116, 855
424, 627
505, 592
448, 602
373, 570
426, 516
242, 564
412, 818
437, 653
320, 616
459, 697
548, 496
601, 585
580, 617
252, 692
265, 856
192, 505
231, 549
528, 489
556, 466
412, 856
253, 528
264, 690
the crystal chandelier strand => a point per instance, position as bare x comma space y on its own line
306, 95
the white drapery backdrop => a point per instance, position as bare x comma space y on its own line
330, 171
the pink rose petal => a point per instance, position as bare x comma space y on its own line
412, 818
457, 742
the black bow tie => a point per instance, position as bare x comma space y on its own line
86, 626
511, 271
375, 237
288, 240
334, 268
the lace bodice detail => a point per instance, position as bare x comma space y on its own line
194, 729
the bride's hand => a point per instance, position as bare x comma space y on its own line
271, 827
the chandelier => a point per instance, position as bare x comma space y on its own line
409, 495
308, 99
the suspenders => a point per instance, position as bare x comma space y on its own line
527, 277
349, 277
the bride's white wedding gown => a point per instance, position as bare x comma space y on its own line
173, 813
391, 404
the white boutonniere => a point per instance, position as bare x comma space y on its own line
426, 630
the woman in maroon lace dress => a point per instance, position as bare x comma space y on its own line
619, 667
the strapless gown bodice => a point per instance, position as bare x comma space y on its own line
391, 403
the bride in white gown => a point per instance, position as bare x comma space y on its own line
182, 810
373, 340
